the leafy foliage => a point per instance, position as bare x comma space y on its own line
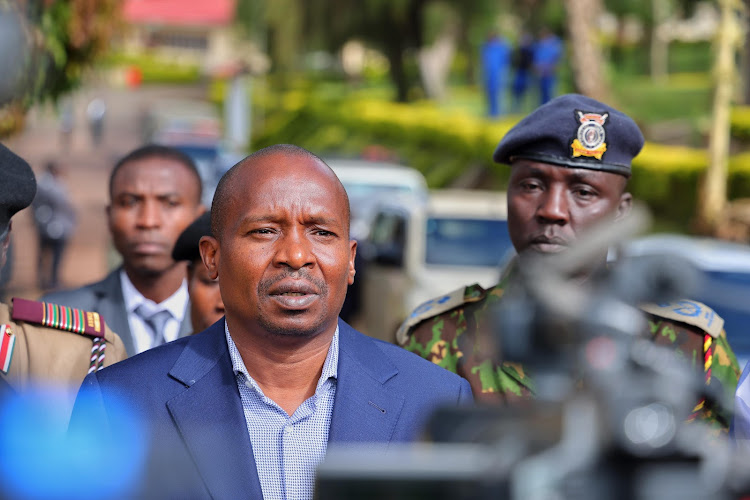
446, 144
64, 37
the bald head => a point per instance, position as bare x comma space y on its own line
286, 163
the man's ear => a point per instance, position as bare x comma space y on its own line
352, 254
210, 254
624, 206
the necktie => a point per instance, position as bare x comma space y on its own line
155, 322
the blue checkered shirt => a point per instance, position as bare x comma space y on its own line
287, 449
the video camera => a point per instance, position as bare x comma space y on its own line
609, 417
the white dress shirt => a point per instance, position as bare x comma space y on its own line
176, 304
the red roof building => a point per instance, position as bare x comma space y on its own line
179, 12
187, 31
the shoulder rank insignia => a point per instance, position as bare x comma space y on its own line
439, 305
7, 343
689, 312
60, 317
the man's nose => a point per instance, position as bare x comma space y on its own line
294, 250
149, 215
553, 207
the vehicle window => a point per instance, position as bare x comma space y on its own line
362, 190
466, 242
389, 229
364, 198
735, 313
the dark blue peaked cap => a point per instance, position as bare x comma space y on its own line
187, 245
574, 131
17, 185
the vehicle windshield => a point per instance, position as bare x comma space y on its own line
727, 284
466, 242
363, 197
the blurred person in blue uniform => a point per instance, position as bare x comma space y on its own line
547, 53
495, 54
523, 61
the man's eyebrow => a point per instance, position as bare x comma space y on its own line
530, 171
584, 176
249, 219
323, 220
132, 194
140, 194
311, 220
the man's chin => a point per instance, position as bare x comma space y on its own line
293, 327
150, 267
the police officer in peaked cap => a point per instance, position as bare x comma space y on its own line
570, 162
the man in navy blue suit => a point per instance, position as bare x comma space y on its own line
247, 407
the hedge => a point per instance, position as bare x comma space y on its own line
443, 144
155, 69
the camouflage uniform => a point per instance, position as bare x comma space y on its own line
452, 331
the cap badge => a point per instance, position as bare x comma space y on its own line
590, 138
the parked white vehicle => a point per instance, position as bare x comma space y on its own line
418, 250
368, 182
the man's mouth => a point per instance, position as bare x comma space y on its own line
148, 248
548, 244
295, 295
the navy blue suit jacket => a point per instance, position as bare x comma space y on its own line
187, 393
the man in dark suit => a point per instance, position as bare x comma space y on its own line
155, 193
247, 407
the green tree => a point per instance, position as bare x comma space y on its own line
55, 42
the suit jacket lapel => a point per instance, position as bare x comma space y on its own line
365, 410
210, 418
111, 306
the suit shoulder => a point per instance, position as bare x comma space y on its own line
83, 297
690, 312
439, 306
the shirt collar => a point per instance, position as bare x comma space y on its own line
330, 366
175, 304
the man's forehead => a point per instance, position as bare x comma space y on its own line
524, 166
286, 169
149, 169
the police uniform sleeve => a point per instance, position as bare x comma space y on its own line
57, 344
697, 334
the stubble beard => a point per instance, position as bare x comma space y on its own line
274, 328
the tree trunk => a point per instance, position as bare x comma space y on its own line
586, 57
395, 53
435, 62
746, 61
659, 42
713, 192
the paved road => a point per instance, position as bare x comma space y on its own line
88, 257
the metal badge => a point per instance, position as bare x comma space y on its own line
591, 135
